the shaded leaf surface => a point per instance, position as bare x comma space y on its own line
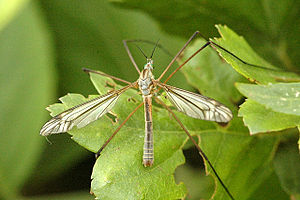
287, 167
198, 184
271, 184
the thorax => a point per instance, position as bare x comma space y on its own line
145, 82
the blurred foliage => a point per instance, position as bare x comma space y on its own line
27, 84
286, 162
8, 9
44, 45
268, 26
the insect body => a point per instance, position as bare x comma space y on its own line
145, 83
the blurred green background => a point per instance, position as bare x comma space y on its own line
44, 45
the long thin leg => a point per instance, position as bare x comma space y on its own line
232, 54
178, 54
103, 74
212, 44
130, 56
195, 143
117, 130
187, 60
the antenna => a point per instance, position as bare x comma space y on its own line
154, 49
141, 51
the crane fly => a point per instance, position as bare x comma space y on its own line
189, 103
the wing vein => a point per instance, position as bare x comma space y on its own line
82, 114
196, 105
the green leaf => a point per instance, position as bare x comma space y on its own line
210, 75
110, 176
281, 97
260, 71
258, 118
243, 162
26, 87
287, 167
271, 184
119, 171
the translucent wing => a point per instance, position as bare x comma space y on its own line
196, 105
82, 114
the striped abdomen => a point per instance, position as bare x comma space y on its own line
148, 156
